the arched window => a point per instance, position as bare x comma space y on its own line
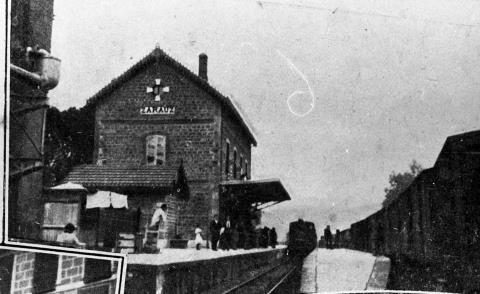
155, 152
242, 171
234, 163
227, 157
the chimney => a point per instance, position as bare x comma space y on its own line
202, 66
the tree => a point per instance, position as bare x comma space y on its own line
399, 182
68, 141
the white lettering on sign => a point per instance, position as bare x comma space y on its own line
157, 110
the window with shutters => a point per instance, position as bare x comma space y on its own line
97, 269
45, 272
156, 150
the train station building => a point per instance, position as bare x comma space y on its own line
164, 138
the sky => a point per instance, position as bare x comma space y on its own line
339, 93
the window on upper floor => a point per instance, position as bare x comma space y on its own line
234, 163
242, 171
227, 158
246, 169
156, 150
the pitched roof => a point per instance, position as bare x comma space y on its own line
159, 55
94, 176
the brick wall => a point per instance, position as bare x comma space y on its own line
71, 269
31, 24
237, 137
147, 205
69, 275
190, 132
193, 135
22, 281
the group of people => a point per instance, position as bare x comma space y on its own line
331, 240
229, 235
224, 236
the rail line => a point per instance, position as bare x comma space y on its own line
263, 278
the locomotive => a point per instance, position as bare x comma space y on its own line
302, 238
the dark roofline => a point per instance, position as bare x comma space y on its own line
159, 55
453, 138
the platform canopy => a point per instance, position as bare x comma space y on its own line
257, 191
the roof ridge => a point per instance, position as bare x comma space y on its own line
158, 54
119, 166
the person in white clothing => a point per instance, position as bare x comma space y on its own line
159, 215
69, 238
198, 237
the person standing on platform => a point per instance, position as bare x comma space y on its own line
198, 237
337, 238
215, 232
273, 238
223, 239
264, 237
328, 237
228, 232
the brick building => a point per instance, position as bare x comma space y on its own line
164, 135
23, 272
30, 80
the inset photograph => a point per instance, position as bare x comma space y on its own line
33, 271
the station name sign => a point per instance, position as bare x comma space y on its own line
152, 110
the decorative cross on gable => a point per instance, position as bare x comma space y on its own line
158, 89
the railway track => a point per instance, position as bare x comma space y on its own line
270, 281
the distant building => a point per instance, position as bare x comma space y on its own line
23, 272
164, 135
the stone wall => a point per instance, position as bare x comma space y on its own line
22, 281
147, 205
201, 276
238, 139
71, 269
193, 135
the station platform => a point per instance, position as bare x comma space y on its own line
198, 271
169, 256
335, 270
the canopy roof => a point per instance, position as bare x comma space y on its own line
69, 186
95, 176
130, 178
258, 191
